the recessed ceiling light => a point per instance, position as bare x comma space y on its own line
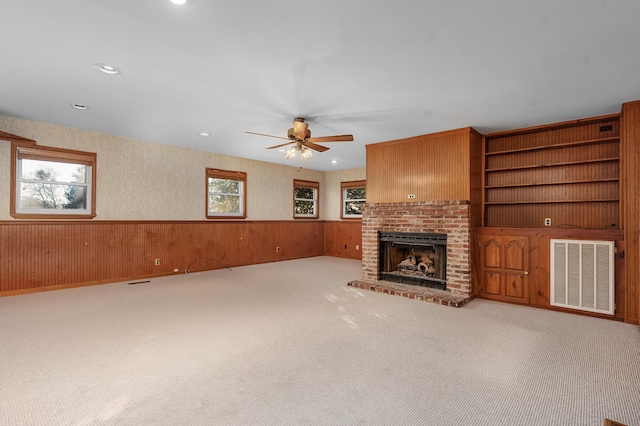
178, 1
334, 161
204, 134
107, 69
78, 106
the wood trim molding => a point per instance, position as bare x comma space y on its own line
463, 130
4, 136
554, 126
297, 183
19, 150
349, 185
630, 204
211, 173
632, 104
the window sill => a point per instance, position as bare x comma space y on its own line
226, 217
51, 216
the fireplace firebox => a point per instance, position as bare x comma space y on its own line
414, 258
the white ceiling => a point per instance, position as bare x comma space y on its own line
379, 70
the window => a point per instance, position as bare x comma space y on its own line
353, 195
52, 183
305, 199
226, 194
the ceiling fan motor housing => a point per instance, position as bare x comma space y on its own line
291, 134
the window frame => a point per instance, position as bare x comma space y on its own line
343, 188
21, 151
316, 201
211, 173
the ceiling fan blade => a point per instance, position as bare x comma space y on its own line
278, 146
269, 136
313, 146
337, 138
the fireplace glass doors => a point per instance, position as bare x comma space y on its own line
414, 258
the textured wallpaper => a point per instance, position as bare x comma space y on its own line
139, 180
332, 189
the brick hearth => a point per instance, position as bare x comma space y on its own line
447, 217
441, 297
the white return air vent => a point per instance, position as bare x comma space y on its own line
582, 275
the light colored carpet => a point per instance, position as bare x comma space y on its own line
289, 343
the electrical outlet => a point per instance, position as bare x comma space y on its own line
277, 249
157, 262
357, 247
175, 270
412, 196
547, 221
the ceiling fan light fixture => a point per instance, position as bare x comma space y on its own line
290, 154
306, 153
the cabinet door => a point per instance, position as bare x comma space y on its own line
504, 263
490, 253
514, 286
492, 286
516, 269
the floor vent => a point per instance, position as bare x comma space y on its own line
582, 275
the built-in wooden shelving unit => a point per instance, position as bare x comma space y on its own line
568, 172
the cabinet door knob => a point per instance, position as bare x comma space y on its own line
526, 272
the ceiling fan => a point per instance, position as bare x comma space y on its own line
300, 136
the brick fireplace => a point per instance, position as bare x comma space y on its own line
415, 258
445, 217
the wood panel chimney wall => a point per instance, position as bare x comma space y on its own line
630, 203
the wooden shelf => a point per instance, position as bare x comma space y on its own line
572, 182
504, 203
565, 163
556, 146
569, 172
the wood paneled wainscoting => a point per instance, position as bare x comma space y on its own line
36, 256
513, 265
343, 239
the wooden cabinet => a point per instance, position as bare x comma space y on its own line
568, 172
504, 268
